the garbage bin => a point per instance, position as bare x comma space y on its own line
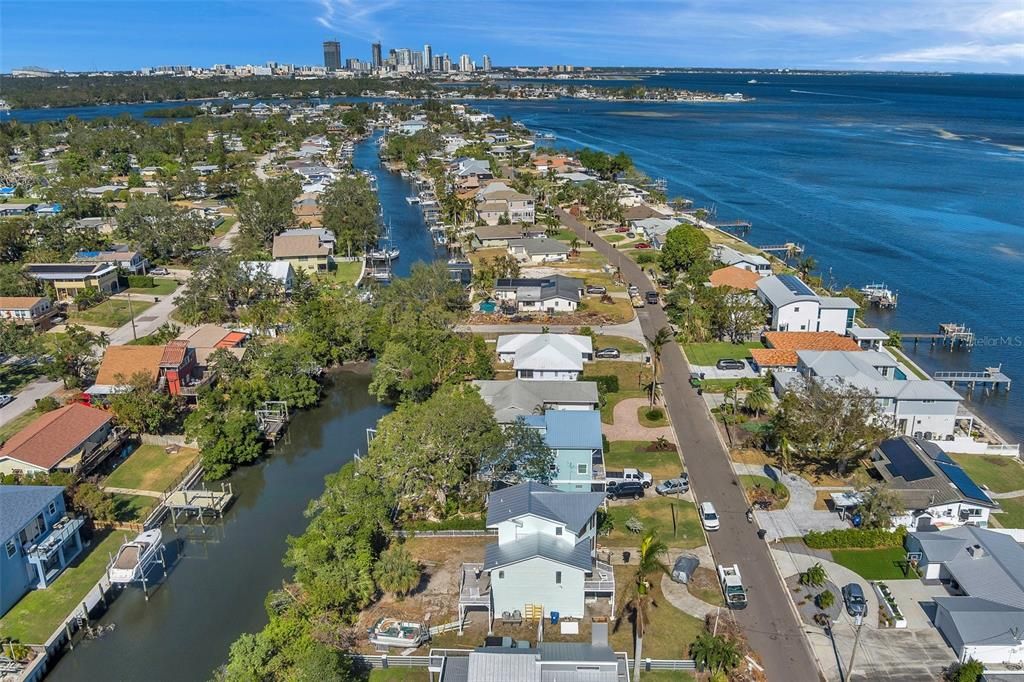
761, 533
625, 557
554, 617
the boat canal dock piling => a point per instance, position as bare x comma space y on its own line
789, 249
199, 502
992, 378
272, 419
956, 336
880, 295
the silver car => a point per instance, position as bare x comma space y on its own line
673, 486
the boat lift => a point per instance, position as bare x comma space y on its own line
143, 568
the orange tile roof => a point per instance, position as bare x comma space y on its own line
809, 341
772, 357
129, 360
54, 435
732, 276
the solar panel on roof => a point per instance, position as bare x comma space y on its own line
963, 482
903, 461
795, 285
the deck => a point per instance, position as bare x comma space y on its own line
992, 376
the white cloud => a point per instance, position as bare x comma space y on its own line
353, 17
978, 53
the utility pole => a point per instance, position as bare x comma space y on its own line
132, 314
856, 640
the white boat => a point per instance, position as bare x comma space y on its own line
383, 254
134, 556
752, 81
398, 633
546, 136
412, 200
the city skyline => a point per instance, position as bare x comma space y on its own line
918, 35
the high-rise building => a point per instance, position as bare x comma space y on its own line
487, 63
376, 56
465, 63
428, 61
332, 55
438, 64
403, 55
446, 63
417, 62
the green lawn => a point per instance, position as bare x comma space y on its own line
656, 514
150, 468
613, 238
39, 612
723, 385
706, 354
9, 428
752, 482
345, 272
631, 377
14, 376
133, 508
902, 357
626, 345
163, 287
1000, 474
225, 227
669, 630
873, 564
400, 675
1012, 515
110, 313
633, 453
641, 414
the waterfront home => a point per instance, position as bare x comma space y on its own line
983, 618
733, 277
466, 167
542, 163
631, 214
309, 250
557, 357
39, 539
411, 126
934, 490
726, 255
781, 351
654, 230
919, 408
575, 177
460, 271
544, 561
120, 364
868, 338
13, 208
70, 279
794, 306
490, 236
497, 200
554, 294
521, 398
121, 257
279, 270
574, 437
561, 661
57, 440
34, 311
207, 339
540, 250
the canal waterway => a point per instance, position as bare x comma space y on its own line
215, 592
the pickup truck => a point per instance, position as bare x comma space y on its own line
732, 586
613, 478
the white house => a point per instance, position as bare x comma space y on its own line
983, 618
557, 357
520, 398
726, 255
555, 294
280, 270
795, 307
540, 250
915, 407
654, 230
935, 491
545, 557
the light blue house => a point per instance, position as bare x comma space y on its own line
575, 438
39, 539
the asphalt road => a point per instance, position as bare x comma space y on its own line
768, 621
25, 399
149, 320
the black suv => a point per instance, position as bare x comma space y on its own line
633, 489
652, 297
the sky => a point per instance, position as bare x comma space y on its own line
917, 35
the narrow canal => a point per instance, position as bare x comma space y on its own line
215, 591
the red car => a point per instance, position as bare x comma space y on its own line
622, 228
643, 245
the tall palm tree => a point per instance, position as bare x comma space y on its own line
730, 394
653, 390
806, 265
638, 599
657, 343
758, 399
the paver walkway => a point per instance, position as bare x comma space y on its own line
627, 424
799, 516
131, 491
680, 597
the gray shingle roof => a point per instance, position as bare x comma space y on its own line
21, 504
519, 398
543, 289
571, 509
984, 622
539, 545
581, 652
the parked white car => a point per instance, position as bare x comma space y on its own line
709, 517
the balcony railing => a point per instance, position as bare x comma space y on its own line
193, 388
48, 545
475, 586
602, 579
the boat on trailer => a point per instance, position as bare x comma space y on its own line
388, 632
134, 556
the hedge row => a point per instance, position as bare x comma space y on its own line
855, 538
606, 383
141, 282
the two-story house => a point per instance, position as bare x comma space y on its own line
34, 311
795, 307
39, 539
553, 357
574, 437
935, 491
70, 279
309, 250
544, 561
497, 201
124, 258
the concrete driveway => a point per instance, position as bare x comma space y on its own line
146, 322
917, 602
799, 516
712, 372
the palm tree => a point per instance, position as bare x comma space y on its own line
895, 339
653, 389
638, 599
805, 266
575, 245
814, 576
758, 399
714, 653
397, 572
730, 394
657, 343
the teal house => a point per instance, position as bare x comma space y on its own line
575, 438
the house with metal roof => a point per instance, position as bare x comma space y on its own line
39, 539
921, 408
557, 357
487, 236
935, 491
554, 294
540, 250
69, 279
794, 306
544, 561
522, 398
280, 270
574, 437
726, 255
983, 570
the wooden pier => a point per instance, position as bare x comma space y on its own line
955, 336
790, 249
992, 377
741, 226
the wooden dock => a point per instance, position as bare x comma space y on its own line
790, 249
992, 377
955, 336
